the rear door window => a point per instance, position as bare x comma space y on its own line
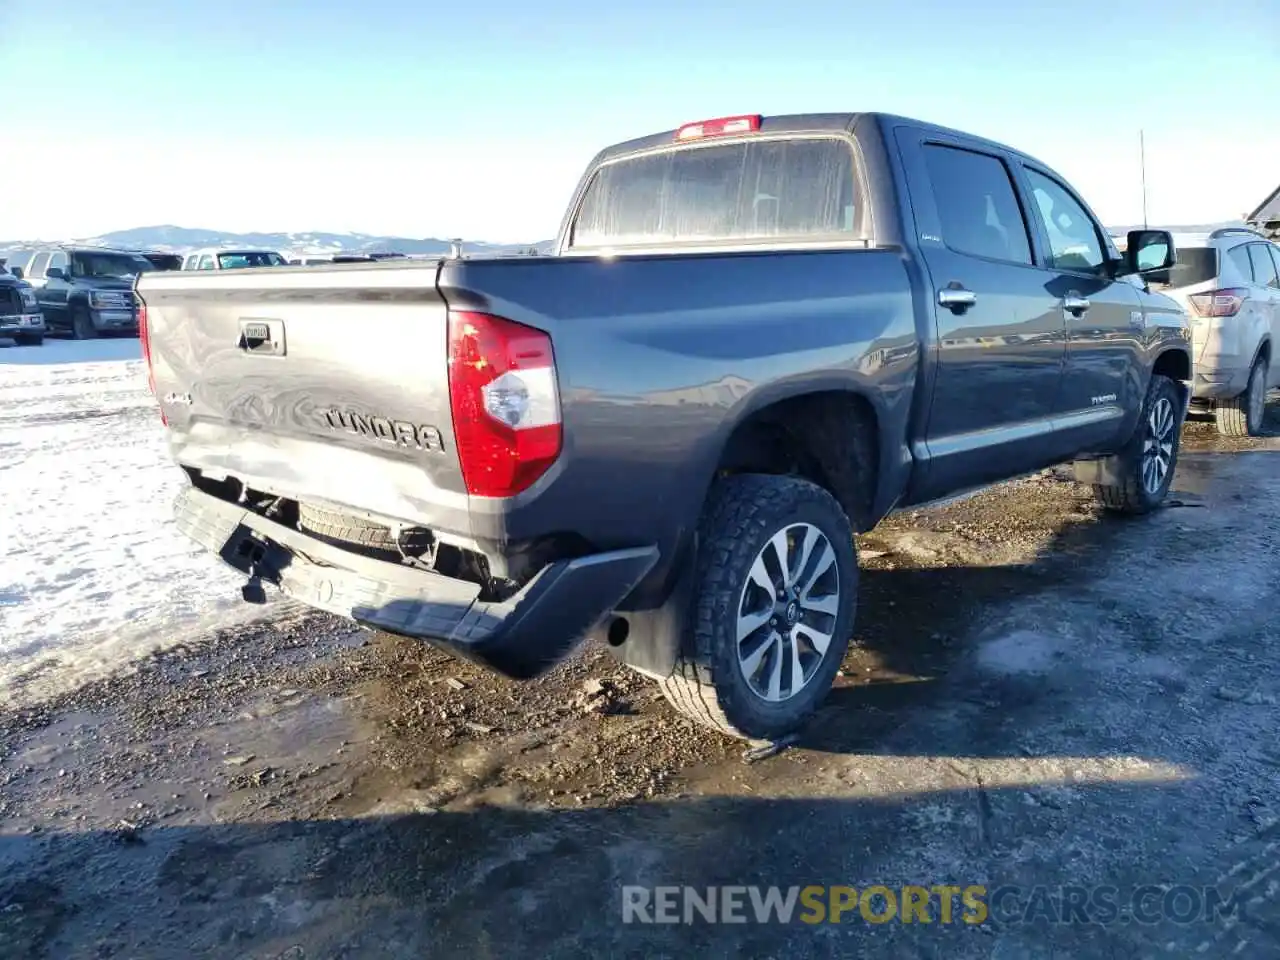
978, 209
753, 190
38, 264
206, 262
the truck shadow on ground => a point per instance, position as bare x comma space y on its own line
502, 882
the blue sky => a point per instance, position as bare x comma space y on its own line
476, 119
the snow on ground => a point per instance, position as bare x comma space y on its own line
92, 572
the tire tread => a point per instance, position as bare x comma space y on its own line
738, 508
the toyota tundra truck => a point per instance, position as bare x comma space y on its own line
755, 337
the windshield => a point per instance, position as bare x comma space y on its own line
749, 190
117, 266
250, 258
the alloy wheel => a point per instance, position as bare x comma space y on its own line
1157, 446
787, 612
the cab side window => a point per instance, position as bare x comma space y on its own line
60, 261
978, 209
206, 262
38, 264
1074, 241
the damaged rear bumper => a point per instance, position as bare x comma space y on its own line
521, 637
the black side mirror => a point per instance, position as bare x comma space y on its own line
16, 271
55, 273
1149, 251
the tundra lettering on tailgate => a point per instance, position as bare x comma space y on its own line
398, 432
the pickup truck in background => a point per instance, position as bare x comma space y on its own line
756, 336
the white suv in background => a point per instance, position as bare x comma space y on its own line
1229, 284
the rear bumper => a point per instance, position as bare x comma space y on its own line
522, 637
1221, 383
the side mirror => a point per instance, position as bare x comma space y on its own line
16, 271
1149, 251
55, 273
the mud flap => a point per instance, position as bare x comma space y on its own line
654, 636
1106, 472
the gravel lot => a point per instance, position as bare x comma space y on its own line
1038, 696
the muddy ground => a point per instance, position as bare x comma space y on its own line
1039, 696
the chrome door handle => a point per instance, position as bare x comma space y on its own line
956, 298
1074, 304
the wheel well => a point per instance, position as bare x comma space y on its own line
1173, 364
829, 438
1264, 352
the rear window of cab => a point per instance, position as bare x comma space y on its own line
739, 191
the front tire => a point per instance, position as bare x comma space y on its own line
82, 327
777, 581
1148, 460
1242, 416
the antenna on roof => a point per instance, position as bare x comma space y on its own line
1142, 161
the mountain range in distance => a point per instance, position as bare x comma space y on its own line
173, 239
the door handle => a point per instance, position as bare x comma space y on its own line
956, 298
1075, 304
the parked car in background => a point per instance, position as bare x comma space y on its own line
20, 316
164, 261
309, 261
86, 291
1229, 282
757, 336
232, 259
366, 257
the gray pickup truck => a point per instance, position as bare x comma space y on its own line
755, 337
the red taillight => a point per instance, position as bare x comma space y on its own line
144, 336
720, 127
505, 402
1219, 303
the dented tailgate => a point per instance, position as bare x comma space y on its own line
319, 384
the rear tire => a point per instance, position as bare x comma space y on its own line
1242, 416
1150, 457
766, 680
82, 327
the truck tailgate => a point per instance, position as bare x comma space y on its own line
320, 384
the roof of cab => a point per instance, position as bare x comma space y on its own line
813, 123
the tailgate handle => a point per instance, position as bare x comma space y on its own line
261, 336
